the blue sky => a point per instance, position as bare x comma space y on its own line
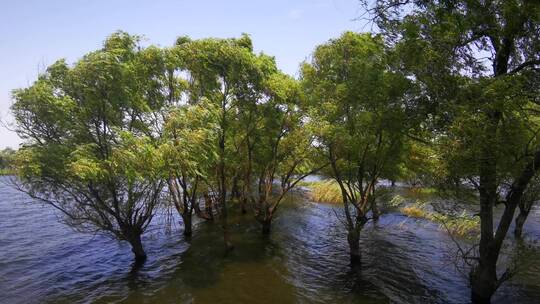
34, 34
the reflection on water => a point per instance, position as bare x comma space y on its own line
304, 261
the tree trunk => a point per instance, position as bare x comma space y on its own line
137, 248
483, 276
188, 224
266, 226
225, 226
484, 281
221, 175
208, 207
375, 212
227, 237
353, 237
243, 204
235, 191
520, 219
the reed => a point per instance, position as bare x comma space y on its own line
326, 191
463, 224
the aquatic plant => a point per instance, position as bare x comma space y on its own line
413, 211
461, 224
326, 191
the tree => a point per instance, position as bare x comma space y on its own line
478, 64
357, 111
190, 154
226, 73
89, 148
277, 146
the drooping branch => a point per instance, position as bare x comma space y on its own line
524, 65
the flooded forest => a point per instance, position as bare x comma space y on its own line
399, 165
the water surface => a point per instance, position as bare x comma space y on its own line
304, 261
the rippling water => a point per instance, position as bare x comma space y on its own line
304, 261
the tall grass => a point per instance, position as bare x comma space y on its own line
414, 211
420, 192
326, 191
463, 224
6, 171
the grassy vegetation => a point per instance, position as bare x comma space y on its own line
6, 159
420, 192
413, 211
326, 191
6, 172
462, 224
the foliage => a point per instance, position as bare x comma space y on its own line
90, 148
357, 108
446, 97
190, 134
278, 148
189, 149
477, 63
327, 191
6, 160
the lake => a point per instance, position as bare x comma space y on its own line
305, 260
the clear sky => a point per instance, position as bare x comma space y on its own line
34, 34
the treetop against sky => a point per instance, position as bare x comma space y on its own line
34, 34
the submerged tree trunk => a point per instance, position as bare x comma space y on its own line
353, 237
137, 248
524, 210
266, 223
375, 212
243, 204
244, 196
483, 276
484, 280
266, 226
227, 237
235, 191
225, 226
208, 208
188, 224
221, 175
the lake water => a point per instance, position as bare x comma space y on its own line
304, 261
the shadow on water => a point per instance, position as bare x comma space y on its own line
305, 260
206, 275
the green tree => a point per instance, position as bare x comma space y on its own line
89, 140
190, 153
226, 73
478, 64
277, 146
357, 111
